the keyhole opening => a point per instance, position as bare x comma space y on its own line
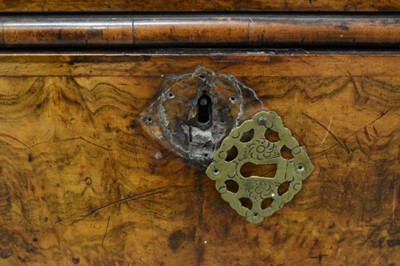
204, 109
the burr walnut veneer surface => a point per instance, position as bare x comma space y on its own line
82, 183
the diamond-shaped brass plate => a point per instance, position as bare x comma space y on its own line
248, 144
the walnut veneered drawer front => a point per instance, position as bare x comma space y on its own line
82, 181
86, 178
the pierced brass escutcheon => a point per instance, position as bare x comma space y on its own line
257, 197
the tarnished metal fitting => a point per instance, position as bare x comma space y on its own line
252, 196
194, 112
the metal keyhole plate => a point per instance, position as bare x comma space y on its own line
194, 112
257, 197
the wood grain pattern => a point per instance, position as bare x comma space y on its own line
206, 30
80, 183
201, 5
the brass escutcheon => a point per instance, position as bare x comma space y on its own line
248, 144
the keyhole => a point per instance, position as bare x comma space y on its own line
204, 109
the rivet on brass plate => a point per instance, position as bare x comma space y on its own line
253, 143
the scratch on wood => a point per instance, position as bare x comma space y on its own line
136, 156
396, 193
382, 114
153, 237
14, 138
360, 144
366, 133
374, 231
105, 233
327, 132
129, 198
343, 145
71, 139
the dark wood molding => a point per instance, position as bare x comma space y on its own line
208, 30
199, 5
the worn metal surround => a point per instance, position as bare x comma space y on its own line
194, 112
256, 197
197, 116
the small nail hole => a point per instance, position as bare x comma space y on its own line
216, 171
232, 99
300, 168
88, 181
147, 120
262, 121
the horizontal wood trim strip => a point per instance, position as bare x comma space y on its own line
200, 5
238, 64
272, 30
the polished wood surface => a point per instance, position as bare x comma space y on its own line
81, 183
295, 30
200, 5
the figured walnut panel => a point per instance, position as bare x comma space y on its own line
201, 5
81, 183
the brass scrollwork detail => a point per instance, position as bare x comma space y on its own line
248, 144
